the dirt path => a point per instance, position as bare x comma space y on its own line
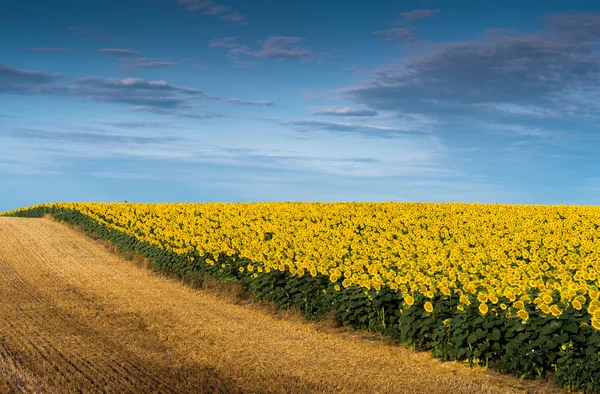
75, 318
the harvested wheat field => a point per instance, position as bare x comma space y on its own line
76, 318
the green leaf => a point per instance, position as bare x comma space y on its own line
495, 335
571, 327
593, 339
551, 327
472, 338
563, 338
523, 336
550, 345
578, 338
481, 333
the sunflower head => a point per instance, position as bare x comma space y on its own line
523, 314
428, 307
483, 308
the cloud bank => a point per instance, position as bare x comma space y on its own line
555, 70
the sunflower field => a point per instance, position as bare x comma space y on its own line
514, 287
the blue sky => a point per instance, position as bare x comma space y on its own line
194, 100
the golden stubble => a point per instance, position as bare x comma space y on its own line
75, 317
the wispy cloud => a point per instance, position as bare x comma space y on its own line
280, 47
373, 158
85, 136
11, 75
366, 130
519, 129
135, 91
120, 175
135, 125
405, 35
47, 50
22, 81
499, 32
92, 33
406, 17
521, 110
180, 113
151, 96
119, 52
225, 42
209, 8
397, 33
234, 100
262, 103
345, 111
133, 65
124, 57
236, 17
244, 64
274, 47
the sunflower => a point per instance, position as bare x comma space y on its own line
523, 314
465, 300
555, 310
483, 308
428, 307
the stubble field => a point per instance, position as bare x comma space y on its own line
76, 318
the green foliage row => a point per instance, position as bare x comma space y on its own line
542, 346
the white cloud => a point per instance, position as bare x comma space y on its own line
345, 111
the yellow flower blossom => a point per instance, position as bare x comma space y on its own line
523, 314
428, 307
555, 310
465, 300
483, 308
